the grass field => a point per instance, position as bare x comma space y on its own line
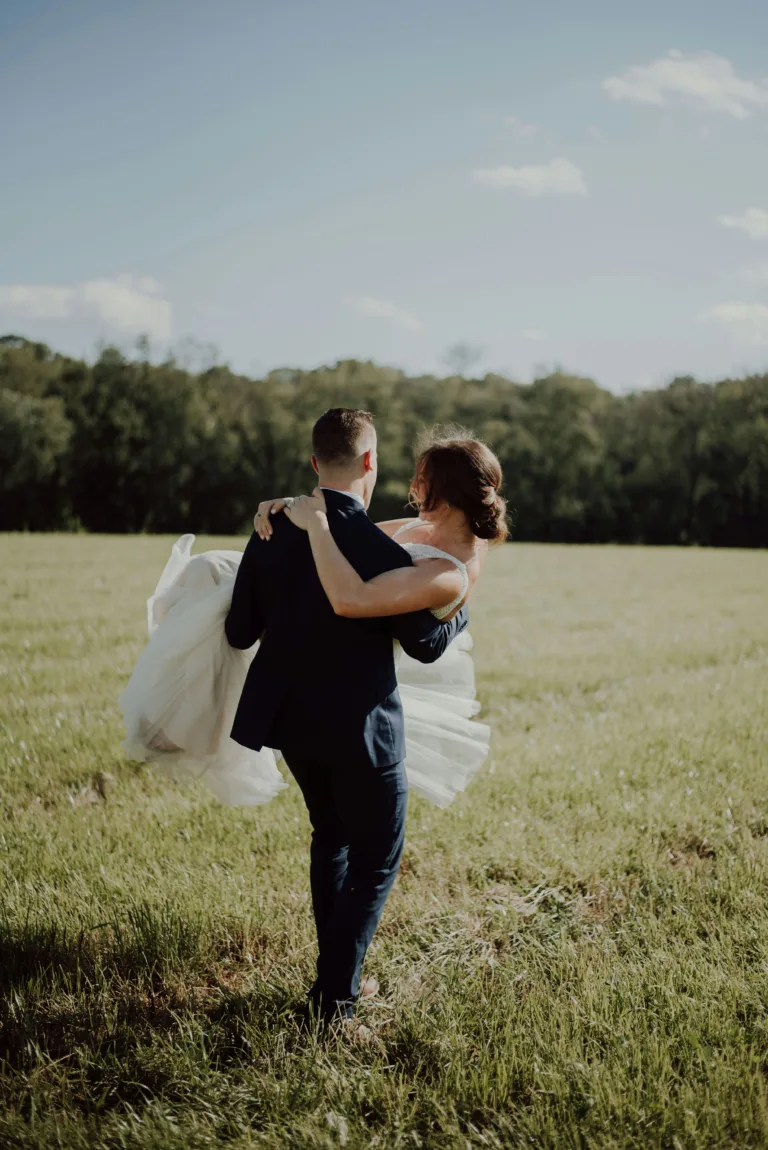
575, 954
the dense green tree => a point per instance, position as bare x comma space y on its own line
123, 444
733, 500
34, 438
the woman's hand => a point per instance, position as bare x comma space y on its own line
305, 509
261, 523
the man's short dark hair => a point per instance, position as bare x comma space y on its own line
337, 434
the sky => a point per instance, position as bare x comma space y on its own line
296, 182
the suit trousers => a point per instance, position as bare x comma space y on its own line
357, 811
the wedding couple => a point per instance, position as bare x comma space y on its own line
331, 640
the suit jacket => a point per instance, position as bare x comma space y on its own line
320, 682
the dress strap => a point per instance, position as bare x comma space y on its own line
406, 527
427, 551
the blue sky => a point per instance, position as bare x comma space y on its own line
298, 182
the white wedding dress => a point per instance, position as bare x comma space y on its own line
181, 699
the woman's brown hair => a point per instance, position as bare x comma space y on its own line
455, 468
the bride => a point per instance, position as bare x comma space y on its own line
180, 702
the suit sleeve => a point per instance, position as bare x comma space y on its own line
424, 637
247, 613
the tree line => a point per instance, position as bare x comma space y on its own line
126, 445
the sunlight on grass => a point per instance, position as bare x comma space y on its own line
576, 953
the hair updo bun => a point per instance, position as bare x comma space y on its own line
456, 469
491, 521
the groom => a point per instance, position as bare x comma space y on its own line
322, 689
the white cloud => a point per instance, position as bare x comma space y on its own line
146, 284
757, 273
520, 128
746, 323
535, 334
41, 301
125, 303
557, 178
384, 309
706, 80
754, 221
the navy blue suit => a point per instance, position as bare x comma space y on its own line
322, 689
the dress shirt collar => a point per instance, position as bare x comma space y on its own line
350, 494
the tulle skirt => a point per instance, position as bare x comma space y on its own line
180, 702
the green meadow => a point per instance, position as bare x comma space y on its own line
575, 953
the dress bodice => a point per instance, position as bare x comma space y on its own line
426, 551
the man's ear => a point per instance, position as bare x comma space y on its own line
368, 460
314, 466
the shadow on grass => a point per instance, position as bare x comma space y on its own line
115, 1017
144, 944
